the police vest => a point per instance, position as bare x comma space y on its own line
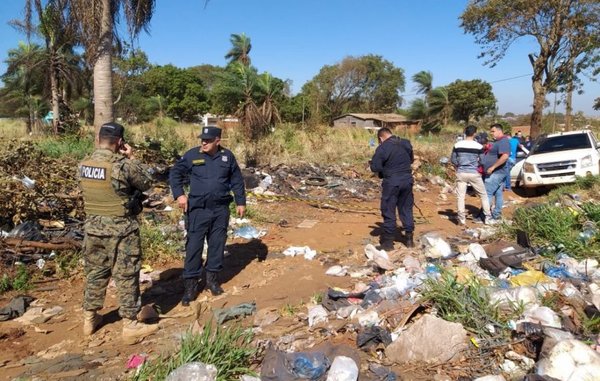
99, 195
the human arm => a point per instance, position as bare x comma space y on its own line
178, 177
238, 188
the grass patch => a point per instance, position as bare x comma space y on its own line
160, 242
550, 225
69, 145
466, 303
228, 349
21, 281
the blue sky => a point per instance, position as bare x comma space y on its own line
293, 39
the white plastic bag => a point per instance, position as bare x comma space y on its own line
193, 371
343, 369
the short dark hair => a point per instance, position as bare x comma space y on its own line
111, 140
384, 131
470, 130
497, 126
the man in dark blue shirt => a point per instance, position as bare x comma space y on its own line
392, 161
212, 173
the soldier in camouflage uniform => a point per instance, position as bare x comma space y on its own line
112, 182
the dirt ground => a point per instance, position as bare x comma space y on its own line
255, 271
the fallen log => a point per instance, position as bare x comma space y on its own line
62, 245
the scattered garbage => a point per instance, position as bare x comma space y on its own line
435, 246
337, 270
343, 369
225, 314
248, 232
135, 361
15, 308
306, 251
570, 360
316, 314
193, 371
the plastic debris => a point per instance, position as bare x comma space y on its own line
306, 251
570, 360
248, 232
435, 246
224, 314
343, 369
336, 270
316, 314
135, 361
193, 371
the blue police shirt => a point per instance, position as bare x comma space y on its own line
211, 178
392, 159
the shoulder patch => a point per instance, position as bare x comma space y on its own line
92, 173
224, 158
198, 162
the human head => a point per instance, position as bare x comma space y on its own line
210, 137
519, 134
496, 131
470, 130
111, 135
383, 134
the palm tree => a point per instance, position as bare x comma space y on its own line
97, 21
240, 49
424, 81
24, 80
439, 105
271, 89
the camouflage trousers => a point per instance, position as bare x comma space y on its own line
119, 257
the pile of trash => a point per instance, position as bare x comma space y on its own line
545, 324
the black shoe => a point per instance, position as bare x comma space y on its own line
386, 243
191, 291
409, 240
212, 284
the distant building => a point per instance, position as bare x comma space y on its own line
394, 122
524, 130
220, 121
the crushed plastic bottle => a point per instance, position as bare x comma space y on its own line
588, 231
193, 371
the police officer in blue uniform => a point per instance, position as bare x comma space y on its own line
392, 161
212, 173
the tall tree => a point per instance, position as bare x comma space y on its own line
496, 24
24, 82
240, 49
424, 81
470, 99
98, 20
356, 84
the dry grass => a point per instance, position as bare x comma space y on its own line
287, 144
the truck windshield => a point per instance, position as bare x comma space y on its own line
562, 143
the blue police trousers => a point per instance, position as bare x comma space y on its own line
209, 223
397, 195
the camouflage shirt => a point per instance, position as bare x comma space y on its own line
127, 177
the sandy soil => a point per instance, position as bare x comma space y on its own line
256, 271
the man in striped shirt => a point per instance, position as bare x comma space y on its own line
466, 157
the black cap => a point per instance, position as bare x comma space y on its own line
210, 132
112, 129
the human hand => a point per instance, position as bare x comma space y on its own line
126, 150
490, 170
182, 202
241, 210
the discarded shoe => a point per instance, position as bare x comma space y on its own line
91, 322
212, 283
134, 331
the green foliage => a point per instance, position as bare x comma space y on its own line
434, 170
21, 281
470, 99
67, 262
557, 226
160, 243
356, 84
68, 145
465, 303
228, 349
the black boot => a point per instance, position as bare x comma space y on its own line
409, 240
190, 292
386, 242
212, 283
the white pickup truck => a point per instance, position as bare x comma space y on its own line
558, 159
